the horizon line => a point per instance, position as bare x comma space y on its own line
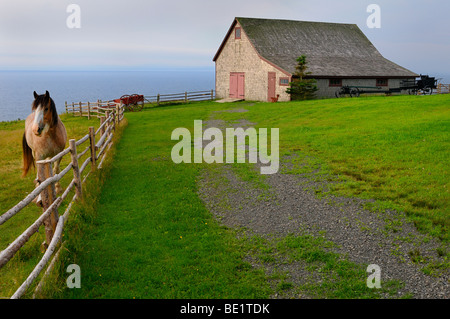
163, 68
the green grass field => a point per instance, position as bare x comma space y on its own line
146, 234
150, 221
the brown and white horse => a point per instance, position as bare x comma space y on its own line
45, 135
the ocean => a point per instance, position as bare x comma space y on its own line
16, 87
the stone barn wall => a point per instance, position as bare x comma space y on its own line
238, 55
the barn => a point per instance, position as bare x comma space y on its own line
257, 58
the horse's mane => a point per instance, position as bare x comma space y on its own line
45, 99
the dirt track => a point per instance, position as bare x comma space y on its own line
290, 206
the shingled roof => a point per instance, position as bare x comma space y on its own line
332, 49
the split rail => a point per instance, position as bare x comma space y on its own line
100, 141
184, 97
99, 108
90, 109
443, 88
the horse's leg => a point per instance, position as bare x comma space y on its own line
56, 170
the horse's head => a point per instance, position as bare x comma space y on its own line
45, 114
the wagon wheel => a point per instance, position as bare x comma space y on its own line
339, 93
427, 90
354, 92
137, 104
132, 102
125, 100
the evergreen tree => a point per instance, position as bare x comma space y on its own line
301, 88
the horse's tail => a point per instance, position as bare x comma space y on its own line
27, 156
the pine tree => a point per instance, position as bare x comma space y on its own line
301, 88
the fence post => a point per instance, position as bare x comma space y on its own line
102, 120
185, 97
157, 99
81, 110
113, 113
54, 216
212, 95
73, 109
107, 120
65, 105
75, 168
48, 195
89, 110
92, 141
117, 113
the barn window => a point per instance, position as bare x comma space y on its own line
284, 81
237, 33
335, 82
382, 82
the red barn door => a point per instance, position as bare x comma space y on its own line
271, 86
237, 85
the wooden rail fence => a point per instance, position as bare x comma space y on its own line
443, 88
50, 218
181, 97
89, 109
100, 107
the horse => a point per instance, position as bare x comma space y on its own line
45, 136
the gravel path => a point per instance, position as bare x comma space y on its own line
290, 207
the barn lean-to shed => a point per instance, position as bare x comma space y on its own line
257, 58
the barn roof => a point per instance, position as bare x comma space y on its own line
332, 49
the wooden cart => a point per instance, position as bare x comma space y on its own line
133, 103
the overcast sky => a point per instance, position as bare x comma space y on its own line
148, 34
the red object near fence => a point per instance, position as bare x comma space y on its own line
134, 102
